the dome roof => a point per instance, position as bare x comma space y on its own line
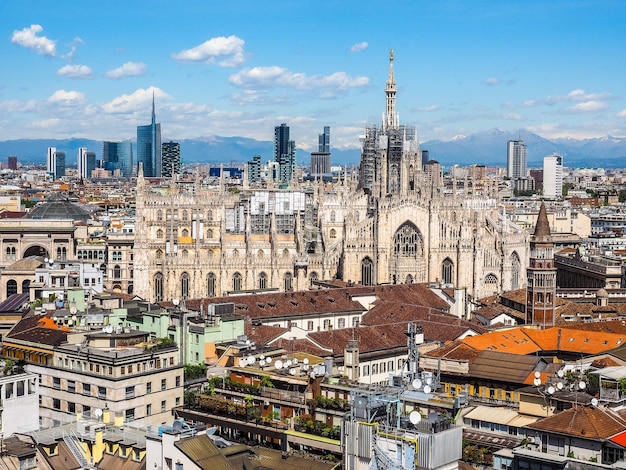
59, 207
602, 293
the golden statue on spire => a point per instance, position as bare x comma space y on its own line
391, 55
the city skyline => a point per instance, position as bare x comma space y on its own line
217, 69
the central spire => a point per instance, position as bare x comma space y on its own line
391, 119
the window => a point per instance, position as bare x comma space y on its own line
130, 391
326, 324
87, 389
288, 282
262, 281
341, 323
447, 268
355, 321
237, 282
117, 272
367, 272
102, 392
158, 287
56, 403
71, 407
163, 407
11, 287
149, 387
309, 325
71, 386
148, 409
178, 380
407, 242
130, 414
333, 233
184, 285
163, 384
56, 383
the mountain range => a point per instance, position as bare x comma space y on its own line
488, 148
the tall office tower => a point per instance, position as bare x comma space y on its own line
552, 176
320, 160
12, 163
284, 153
254, 169
149, 147
55, 163
86, 162
171, 159
117, 157
425, 158
541, 274
516, 159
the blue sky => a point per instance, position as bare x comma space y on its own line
239, 68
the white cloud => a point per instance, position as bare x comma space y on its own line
67, 97
139, 100
223, 51
359, 47
588, 107
75, 71
622, 113
275, 76
28, 38
574, 95
129, 69
428, 109
491, 81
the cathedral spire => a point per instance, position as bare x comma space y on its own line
391, 119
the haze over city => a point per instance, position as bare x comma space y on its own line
90, 69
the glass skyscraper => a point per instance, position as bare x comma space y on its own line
118, 156
149, 147
284, 153
171, 159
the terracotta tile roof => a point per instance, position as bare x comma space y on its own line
370, 338
529, 341
262, 334
587, 422
456, 350
302, 345
39, 329
489, 365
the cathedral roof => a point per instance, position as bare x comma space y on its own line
542, 229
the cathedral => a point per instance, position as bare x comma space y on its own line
395, 223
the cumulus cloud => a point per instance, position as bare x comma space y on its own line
574, 95
138, 100
75, 71
67, 97
588, 107
428, 109
275, 76
28, 37
491, 81
223, 51
359, 47
622, 113
129, 69
73, 46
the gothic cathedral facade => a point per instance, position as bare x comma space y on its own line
395, 223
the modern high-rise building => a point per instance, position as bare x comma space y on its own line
552, 176
171, 159
12, 163
149, 147
55, 165
254, 169
117, 157
284, 153
516, 159
86, 162
320, 160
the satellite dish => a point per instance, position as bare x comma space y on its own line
176, 302
268, 360
262, 356
251, 360
594, 401
417, 383
211, 431
288, 363
305, 361
560, 373
537, 374
295, 361
313, 374
98, 412
551, 390
429, 380
178, 425
292, 371
415, 417
427, 389
45, 260
278, 364
582, 385
559, 385
537, 382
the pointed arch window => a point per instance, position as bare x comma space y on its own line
158, 287
288, 281
237, 282
262, 281
515, 271
447, 271
184, 285
210, 281
367, 272
407, 242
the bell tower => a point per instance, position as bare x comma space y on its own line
541, 274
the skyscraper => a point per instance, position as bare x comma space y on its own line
284, 153
516, 159
320, 160
55, 163
149, 147
552, 176
171, 159
12, 162
86, 162
254, 169
118, 156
